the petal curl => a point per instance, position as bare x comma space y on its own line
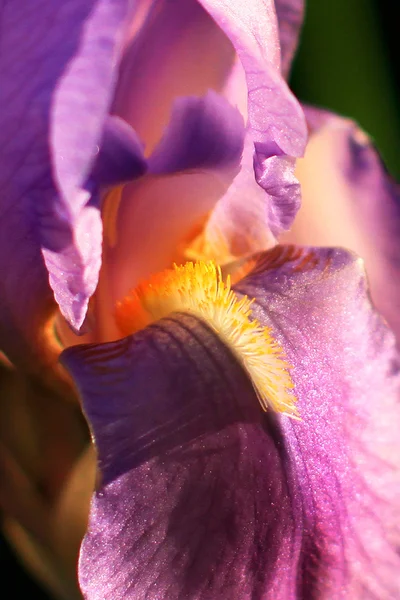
276, 120
203, 494
350, 200
54, 81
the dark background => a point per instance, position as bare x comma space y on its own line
348, 62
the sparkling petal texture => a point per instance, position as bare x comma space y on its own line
290, 18
203, 495
350, 200
67, 69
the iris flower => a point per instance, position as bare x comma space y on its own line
244, 403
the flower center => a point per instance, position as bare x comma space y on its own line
199, 289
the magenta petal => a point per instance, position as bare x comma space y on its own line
350, 200
203, 496
203, 133
290, 18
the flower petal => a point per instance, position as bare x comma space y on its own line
276, 120
193, 502
120, 156
350, 200
177, 51
203, 495
290, 17
55, 81
203, 133
189, 171
343, 463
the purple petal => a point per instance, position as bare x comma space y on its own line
276, 120
203, 495
56, 83
349, 200
120, 157
203, 133
178, 51
184, 453
199, 156
290, 17
343, 464
239, 223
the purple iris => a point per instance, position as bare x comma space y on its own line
140, 133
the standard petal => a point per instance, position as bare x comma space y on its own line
290, 17
56, 83
343, 462
275, 118
350, 200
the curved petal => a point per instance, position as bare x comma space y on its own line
54, 81
203, 495
203, 133
189, 171
350, 200
120, 155
290, 17
276, 120
177, 51
238, 224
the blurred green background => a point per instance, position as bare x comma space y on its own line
348, 62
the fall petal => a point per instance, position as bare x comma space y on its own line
343, 463
184, 450
182, 446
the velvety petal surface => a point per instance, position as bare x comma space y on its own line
290, 17
203, 495
56, 79
350, 200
